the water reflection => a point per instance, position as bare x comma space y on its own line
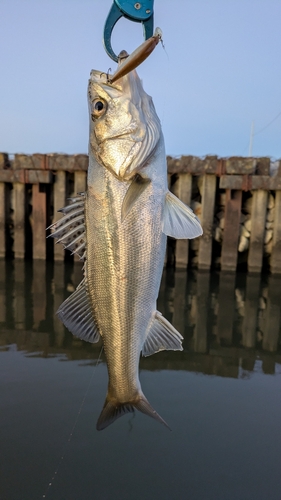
231, 323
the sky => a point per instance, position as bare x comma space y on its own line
220, 73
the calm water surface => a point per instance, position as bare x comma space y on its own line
221, 395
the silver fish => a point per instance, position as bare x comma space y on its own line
119, 228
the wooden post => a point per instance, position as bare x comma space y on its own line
231, 230
273, 315
39, 223
208, 204
2, 221
226, 307
80, 179
202, 310
182, 188
79, 187
19, 220
250, 320
258, 218
275, 261
59, 202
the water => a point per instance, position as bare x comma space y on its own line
221, 395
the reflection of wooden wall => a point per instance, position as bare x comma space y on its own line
34, 187
230, 327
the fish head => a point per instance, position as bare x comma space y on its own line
124, 126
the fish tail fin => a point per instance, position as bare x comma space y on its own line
145, 407
112, 411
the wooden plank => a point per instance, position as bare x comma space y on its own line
26, 176
192, 165
258, 218
229, 251
19, 220
273, 315
250, 320
240, 165
4, 161
59, 202
68, 163
182, 188
226, 301
275, 261
38, 223
208, 205
251, 182
2, 220
80, 179
200, 335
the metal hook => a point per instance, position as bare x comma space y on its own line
139, 12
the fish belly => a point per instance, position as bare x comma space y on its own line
123, 272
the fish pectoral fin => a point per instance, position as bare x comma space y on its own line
137, 187
112, 411
161, 336
76, 314
179, 221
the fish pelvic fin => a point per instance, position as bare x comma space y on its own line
162, 336
179, 221
114, 410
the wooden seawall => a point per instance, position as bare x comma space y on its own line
238, 201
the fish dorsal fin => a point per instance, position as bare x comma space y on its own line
179, 221
76, 314
70, 229
112, 411
137, 187
161, 336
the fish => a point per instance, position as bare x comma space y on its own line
119, 229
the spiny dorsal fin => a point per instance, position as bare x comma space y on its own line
161, 336
137, 187
76, 314
70, 229
179, 221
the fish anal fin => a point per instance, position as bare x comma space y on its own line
137, 187
76, 314
112, 411
161, 336
179, 221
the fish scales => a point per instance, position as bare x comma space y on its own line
121, 265
128, 214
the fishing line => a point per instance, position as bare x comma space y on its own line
73, 428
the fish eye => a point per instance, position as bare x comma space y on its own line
98, 108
